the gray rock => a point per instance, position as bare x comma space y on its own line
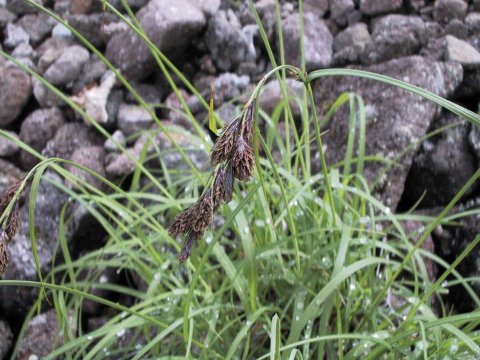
68, 66
227, 43
93, 158
6, 339
60, 31
318, 41
49, 202
7, 146
36, 130
339, 10
23, 51
21, 7
44, 96
473, 23
149, 93
395, 36
37, 26
457, 28
90, 26
6, 17
70, 137
15, 35
111, 146
349, 44
442, 165
271, 96
15, 90
461, 52
319, 7
375, 7
9, 173
120, 164
476, 5
446, 10
474, 141
228, 86
50, 50
170, 26
395, 118
209, 7
43, 335
91, 73
132, 119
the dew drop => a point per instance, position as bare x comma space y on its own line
89, 337
208, 239
120, 333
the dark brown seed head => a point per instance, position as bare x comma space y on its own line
12, 223
223, 146
9, 194
181, 223
223, 185
187, 246
248, 123
203, 213
243, 160
4, 255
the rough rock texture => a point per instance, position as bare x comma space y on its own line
228, 43
36, 130
271, 96
6, 339
8, 174
437, 160
15, 90
68, 66
49, 202
92, 157
70, 137
7, 146
462, 52
395, 36
349, 45
319, 7
340, 9
120, 164
395, 118
375, 7
133, 119
318, 41
170, 26
446, 10
42, 336
36, 26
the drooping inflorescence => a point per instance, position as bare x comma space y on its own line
231, 157
8, 229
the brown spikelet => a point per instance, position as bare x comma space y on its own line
224, 144
187, 246
12, 223
243, 160
181, 223
223, 185
9, 194
4, 255
202, 214
248, 123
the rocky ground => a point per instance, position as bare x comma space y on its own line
432, 44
